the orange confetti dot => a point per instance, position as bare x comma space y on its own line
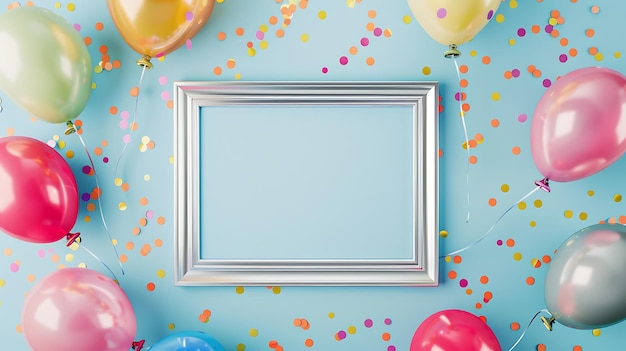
590, 32
473, 159
573, 52
516, 150
87, 41
541, 347
508, 75
478, 305
593, 50
91, 207
143, 222
495, 123
217, 70
452, 274
473, 144
463, 83
555, 14
158, 242
125, 187
221, 36
145, 250
103, 49
272, 344
492, 202
595, 9
484, 279
123, 258
297, 322
113, 110
386, 336
510, 242
150, 286
99, 26
308, 342
515, 326
230, 63
117, 64
130, 245
563, 41
97, 150
370, 27
143, 201
239, 31
463, 69
486, 60
555, 33
273, 20
280, 33
457, 259
170, 104
530, 281
577, 348
535, 28
531, 68
537, 73
161, 220
136, 231
134, 91
371, 13
546, 259
487, 296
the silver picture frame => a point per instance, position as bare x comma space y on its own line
196, 103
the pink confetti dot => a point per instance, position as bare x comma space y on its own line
162, 80
105, 159
188, 44
562, 58
387, 321
368, 323
515, 72
521, 32
14, 267
124, 114
149, 214
41, 253
547, 83
77, 27
260, 35
463, 283
86, 169
441, 13
499, 242
365, 42
124, 124
341, 335
548, 28
165, 95
391, 348
343, 60
522, 118
324, 70
126, 138
378, 32
189, 16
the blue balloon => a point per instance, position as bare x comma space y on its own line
188, 341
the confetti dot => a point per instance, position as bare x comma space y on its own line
343, 60
365, 41
463, 283
368, 323
441, 13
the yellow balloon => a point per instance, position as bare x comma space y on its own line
155, 28
453, 22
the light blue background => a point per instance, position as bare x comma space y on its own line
249, 318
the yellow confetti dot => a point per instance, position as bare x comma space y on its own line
276, 290
538, 203
596, 332
263, 28
251, 52
87, 219
239, 290
617, 54
505, 188
254, 332
160, 273
263, 45
74, 246
2, 283
331, 315
583, 216
499, 18
590, 192
352, 329
617, 197
69, 257
146, 177
598, 57
61, 144
513, 4
145, 139
568, 213
69, 154
443, 233
117, 181
350, 3
122, 206
172, 156
517, 256
521, 205
97, 69
304, 38
407, 19
553, 21
82, 265
172, 325
533, 224
57, 5
426, 70
321, 15
495, 96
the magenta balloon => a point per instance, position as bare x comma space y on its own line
78, 309
454, 330
579, 124
39, 201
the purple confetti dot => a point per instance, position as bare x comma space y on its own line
441, 13
86, 169
463, 283
324, 70
489, 15
343, 60
515, 73
378, 32
521, 32
368, 323
522, 118
388, 321
189, 16
341, 335
391, 348
547, 83
499, 242
548, 28
14, 267
563, 58
85, 197
457, 96
365, 42
260, 35
105, 159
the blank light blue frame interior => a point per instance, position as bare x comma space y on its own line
306, 183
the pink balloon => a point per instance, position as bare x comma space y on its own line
39, 201
579, 124
78, 309
454, 330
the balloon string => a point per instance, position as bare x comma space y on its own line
467, 146
99, 260
132, 124
71, 129
492, 226
528, 326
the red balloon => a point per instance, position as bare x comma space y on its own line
39, 196
454, 330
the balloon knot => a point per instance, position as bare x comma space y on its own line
138, 345
548, 322
144, 61
452, 52
543, 184
72, 238
71, 128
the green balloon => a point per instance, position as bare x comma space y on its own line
45, 66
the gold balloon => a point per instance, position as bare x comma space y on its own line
155, 28
453, 22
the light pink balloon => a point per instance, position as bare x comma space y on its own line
39, 196
454, 330
579, 124
78, 309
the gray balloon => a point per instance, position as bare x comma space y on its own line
585, 285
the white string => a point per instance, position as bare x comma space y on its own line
132, 124
99, 260
526, 329
106, 227
467, 146
492, 226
